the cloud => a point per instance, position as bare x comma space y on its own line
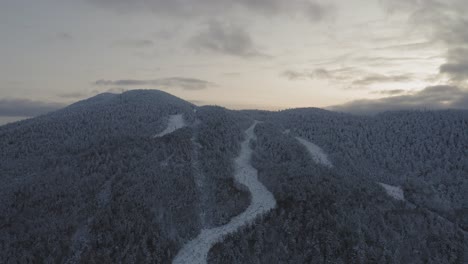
231, 74
445, 22
458, 71
433, 97
379, 78
225, 39
134, 43
72, 95
457, 65
347, 75
179, 82
294, 75
25, 107
392, 92
407, 46
64, 36
302, 75
310, 9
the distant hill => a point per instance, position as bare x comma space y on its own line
112, 179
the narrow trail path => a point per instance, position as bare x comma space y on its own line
262, 201
394, 191
318, 155
175, 122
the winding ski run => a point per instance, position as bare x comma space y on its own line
262, 201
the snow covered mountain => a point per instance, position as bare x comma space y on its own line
145, 177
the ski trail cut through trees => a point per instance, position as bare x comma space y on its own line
318, 155
262, 201
394, 191
175, 122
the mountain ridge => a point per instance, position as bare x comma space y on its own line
91, 184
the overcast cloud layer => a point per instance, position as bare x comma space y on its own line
444, 21
365, 55
312, 10
24, 107
225, 39
435, 97
164, 83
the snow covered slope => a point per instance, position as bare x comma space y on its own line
196, 251
316, 152
394, 191
175, 122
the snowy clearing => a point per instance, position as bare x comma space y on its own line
196, 251
317, 153
393, 191
175, 122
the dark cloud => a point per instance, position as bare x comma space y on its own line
379, 78
312, 10
457, 67
179, 82
433, 97
25, 107
392, 92
458, 71
225, 39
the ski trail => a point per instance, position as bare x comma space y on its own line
196, 251
318, 155
394, 191
175, 122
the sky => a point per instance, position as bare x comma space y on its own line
357, 55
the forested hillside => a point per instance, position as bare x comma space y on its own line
426, 152
90, 183
217, 142
328, 215
96, 182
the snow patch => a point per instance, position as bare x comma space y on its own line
394, 191
175, 122
196, 251
318, 155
